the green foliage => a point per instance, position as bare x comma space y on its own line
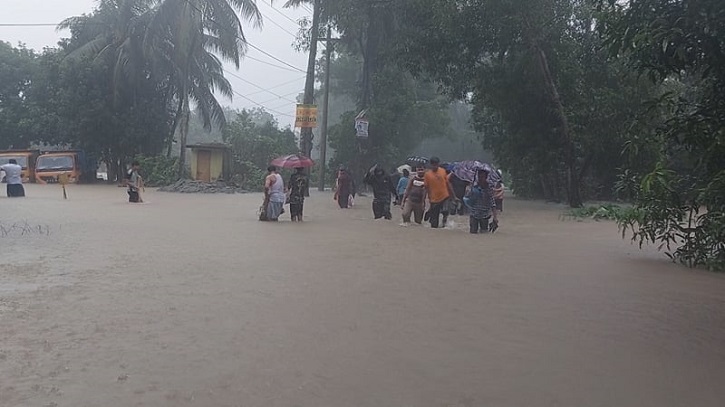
158, 170
256, 139
552, 106
680, 203
16, 72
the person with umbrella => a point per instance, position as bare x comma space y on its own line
480, 200
383, 188
297, 186
439, 191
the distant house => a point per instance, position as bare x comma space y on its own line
210, 162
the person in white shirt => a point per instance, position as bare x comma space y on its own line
14, 178
274, 194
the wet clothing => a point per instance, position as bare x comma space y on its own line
14, 178
381, 209
383, 188
275, 198
133, 196
415, 209
436, 183
459, 189
276, 190
297, 185
13, 173
344, 190
15, 190
132, 178
416, 193
477, 225
402, 185
395, 178
274, 209
434, 213
498, 193
480, 201
415, 201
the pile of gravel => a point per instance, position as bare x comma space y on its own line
186, 186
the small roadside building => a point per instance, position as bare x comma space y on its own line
210, 162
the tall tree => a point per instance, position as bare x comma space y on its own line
16, 72
181, 43
679, 44
185, 37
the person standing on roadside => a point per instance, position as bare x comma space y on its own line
413, 201
298, 184
14, 178
439, 191
274, 192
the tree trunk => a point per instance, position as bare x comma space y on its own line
174, 126
309, 97
183, 133
573, 180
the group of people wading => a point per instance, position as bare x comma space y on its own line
429, 194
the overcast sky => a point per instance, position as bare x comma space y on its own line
271, 38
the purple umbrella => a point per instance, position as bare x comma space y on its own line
467, 171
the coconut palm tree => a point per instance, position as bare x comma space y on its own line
188, 40
113, 33
182, 42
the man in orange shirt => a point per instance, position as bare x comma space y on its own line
439, 190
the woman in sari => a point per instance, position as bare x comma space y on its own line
343, 188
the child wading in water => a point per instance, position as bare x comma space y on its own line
480, 201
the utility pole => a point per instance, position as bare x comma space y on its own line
309, 97
325, 110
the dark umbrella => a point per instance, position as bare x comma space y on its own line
468, 170
293, 161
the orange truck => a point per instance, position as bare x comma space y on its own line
25, 159
52, 164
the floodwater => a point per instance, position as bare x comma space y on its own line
187, 300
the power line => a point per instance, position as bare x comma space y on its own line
281, 13
28, 25
261, 105
278, 25
194, 6
278, 86
269, 63
256, 86
274, 57
297, 92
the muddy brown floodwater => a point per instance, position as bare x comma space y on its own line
187, 300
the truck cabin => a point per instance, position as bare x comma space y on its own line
50, 166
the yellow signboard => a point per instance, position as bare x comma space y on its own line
306, 116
